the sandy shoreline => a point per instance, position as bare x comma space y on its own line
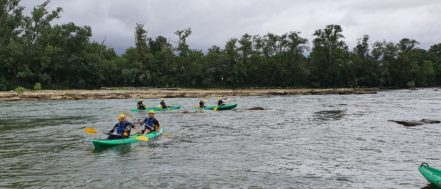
169, 93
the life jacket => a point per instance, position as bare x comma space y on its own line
150, 123
163, 105
140, 105
121, 128
201, 104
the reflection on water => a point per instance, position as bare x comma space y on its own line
120, 150
334, 141
429, 186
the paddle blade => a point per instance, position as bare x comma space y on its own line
142, 138
128, 115
89, 130
215, 109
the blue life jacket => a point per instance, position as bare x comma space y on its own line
121, 126
149, 122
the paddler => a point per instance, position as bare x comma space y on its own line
151, 123
220, 102
162, 103
122, 128
140, 105
202, 103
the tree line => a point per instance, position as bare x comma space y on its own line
35, 52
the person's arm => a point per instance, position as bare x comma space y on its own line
147, 128
139, 124
157, 126
113, 129
131, 125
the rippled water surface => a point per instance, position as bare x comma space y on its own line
334, 141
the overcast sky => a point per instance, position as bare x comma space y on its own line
215, 21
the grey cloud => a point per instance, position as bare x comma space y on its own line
213, 22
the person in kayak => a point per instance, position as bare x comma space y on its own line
220, 102
140, 105
122, 128
202, 104
162, 103
151, 123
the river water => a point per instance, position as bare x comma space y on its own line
332, 141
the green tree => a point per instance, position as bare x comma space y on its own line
434, 55
404, 70
328, 54
11, 22
364, 69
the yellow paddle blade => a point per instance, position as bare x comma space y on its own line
142, 137
215, 109
89, 130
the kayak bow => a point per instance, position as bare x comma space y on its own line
431, 174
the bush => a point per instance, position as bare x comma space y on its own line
20, 90
37, 86
3, 87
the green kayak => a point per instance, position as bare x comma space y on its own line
431, 174
174, 107
104, 143
223, 107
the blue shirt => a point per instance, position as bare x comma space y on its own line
122, 126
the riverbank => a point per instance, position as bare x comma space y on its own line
169, 93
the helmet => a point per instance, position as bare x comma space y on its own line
162, 99
202, 100
121, 116
151, 111
220, 98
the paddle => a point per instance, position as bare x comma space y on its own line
142, 138
91, 131
128, 115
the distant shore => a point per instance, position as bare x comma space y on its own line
169, 93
